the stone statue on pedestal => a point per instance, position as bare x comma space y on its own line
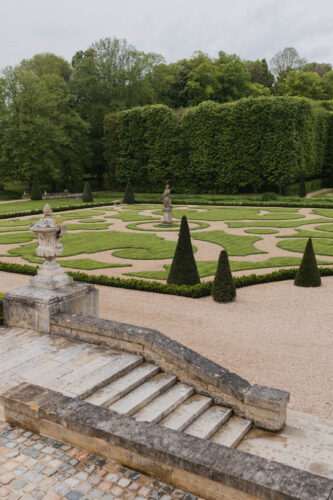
50, 275
51, 291
167, 204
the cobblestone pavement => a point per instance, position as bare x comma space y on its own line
35, 468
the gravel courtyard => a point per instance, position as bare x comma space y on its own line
276, 334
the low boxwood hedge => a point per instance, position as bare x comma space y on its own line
195, 291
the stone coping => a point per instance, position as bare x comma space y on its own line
202, 467
264, 406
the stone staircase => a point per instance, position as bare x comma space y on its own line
123, 382
150, 395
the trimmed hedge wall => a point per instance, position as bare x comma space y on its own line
196, 291
252, 144
143, 144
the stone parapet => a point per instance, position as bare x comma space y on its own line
264, 406
206, 469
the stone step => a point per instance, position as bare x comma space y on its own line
122, 386
144, 394
232, 433
84, 382
161, 406
187, 412
209, 422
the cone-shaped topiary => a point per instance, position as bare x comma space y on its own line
87, 196
36, 192
308, 273
223, 289
302, 187
129, 197
183, 269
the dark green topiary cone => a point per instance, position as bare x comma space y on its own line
87, 196
183, 269
129, 197
36, 192
308, 273
223, 289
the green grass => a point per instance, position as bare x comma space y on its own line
132, 215
14, 229
88, 264
278, 224
89, 226
325, 227
303, 233
323, 212
9, 239
237, 213
322, 246
25, 206
208, 268
18, 222
164, 227
259, 230
124, 245
78, 214
235, 245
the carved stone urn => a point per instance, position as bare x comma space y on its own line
50, 275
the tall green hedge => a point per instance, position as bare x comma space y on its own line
253, 144
143, 144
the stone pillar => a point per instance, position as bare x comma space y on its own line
52, 290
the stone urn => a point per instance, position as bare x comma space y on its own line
50, 275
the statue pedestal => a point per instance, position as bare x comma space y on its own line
32, 306
51, 276
167, 216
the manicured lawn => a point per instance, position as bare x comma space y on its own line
259, 230
88, 264
194, 225
25, 206
279, 223
18, 222
235, 245
322, 246
12, 238
132, 215
124, 245
86, 225
238, 213
303, 233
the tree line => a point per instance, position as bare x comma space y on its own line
52, 111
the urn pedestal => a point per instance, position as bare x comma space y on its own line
52, 290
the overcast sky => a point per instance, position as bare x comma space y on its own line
175, 28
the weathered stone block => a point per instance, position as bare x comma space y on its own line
32, 307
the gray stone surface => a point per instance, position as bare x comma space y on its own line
265, 406
247, 473
32, 307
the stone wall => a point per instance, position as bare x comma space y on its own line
206, 469
264, 406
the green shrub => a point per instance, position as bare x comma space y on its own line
196, 291
129, 197
223, 289
87, 196
36, 192
269, 197
183, 270
308, 273
249, 145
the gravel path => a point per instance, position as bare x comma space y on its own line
276, 334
